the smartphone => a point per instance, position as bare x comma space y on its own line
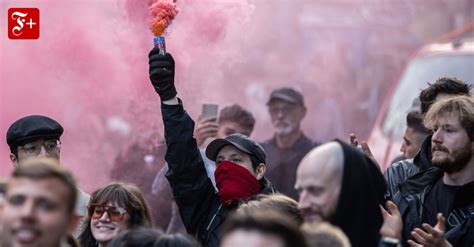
209, 110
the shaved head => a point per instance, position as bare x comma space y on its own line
318, 180
327, 158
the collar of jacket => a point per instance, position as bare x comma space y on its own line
300, 144
418, 182
423, 158
267, 187
421, 181
221, 212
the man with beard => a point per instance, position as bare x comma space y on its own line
398, 172
340, 185
447, 189
39, 205
288, 145
240, 162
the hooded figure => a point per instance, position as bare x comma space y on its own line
341, 185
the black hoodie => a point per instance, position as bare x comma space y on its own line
362, 191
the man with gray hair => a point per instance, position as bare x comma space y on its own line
288, 145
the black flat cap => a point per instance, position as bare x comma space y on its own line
287, 94
239, 141
32, 127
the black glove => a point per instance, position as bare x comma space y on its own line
162, 74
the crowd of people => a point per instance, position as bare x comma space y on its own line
220, 187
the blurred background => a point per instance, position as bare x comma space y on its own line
89, 68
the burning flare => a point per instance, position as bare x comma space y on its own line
163, 13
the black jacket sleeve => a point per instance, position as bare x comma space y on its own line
192, 189
397, 173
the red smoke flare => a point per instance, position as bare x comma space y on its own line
163, 13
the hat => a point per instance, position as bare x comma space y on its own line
287, 94
239, 141
32, 127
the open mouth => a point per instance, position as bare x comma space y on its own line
26, 235
106, 228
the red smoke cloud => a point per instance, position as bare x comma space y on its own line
163, 12
89, 68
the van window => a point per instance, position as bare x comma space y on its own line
415, 78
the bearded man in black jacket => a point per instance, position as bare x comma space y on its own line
400, 171
437, 204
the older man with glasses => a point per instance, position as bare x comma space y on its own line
38, 136
34, 136
289, 144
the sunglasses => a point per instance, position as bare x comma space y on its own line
116, 214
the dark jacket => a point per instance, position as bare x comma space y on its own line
410, 202
282, 163
198, 203
400, 171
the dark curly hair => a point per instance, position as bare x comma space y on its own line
445, 85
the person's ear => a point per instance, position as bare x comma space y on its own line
303, 112
260, 171
14, 160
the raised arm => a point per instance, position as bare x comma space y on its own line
192, 189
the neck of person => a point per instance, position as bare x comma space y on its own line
288, 140
461, 177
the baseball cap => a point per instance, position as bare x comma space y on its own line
32, 127
239, 141
287, 94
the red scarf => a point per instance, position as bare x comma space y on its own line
235, 182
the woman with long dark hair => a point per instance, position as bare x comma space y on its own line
112, 209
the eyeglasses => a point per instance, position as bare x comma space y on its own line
116, 214
34, 148
284, 110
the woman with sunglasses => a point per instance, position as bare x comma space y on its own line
112, 209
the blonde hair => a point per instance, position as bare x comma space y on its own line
47, 168
324, 235
275, 202
460, 106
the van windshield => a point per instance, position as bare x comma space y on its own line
414, 79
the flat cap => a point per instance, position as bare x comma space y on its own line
287, 94
32, 127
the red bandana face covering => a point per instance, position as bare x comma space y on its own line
235, 182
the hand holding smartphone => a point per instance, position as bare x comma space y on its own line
206, 127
